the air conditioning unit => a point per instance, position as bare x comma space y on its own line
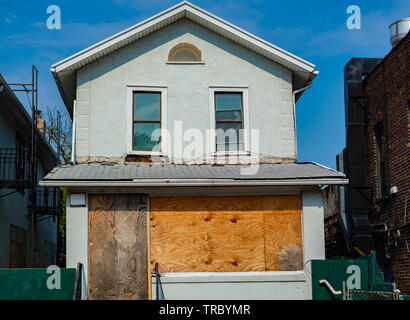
393, 190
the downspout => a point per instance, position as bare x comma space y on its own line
312, 75
329, 286
73, 151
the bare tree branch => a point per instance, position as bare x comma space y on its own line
58, 136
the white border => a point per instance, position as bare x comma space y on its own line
164, 142
246, 126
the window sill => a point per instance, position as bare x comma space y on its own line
185, 62
145, 153
231, 153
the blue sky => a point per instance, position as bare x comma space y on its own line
313, 30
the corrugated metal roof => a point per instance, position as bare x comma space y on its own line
131, 172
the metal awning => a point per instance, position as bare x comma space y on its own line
108, 174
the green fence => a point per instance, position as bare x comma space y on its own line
362, 275
31, 284
351, 272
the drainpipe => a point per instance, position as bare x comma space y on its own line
329, 286
312, 75
73, 153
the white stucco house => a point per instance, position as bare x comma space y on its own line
157, 180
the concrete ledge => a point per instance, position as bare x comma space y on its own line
278, 285
226, 277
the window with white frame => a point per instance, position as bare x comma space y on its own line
146, 118
229, 121
229, 118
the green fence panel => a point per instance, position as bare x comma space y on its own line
376, 279
31, 284
353, 272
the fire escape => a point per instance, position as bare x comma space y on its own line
18, 167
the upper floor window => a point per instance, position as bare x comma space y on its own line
229, 121
229, 117
380, 166
185, 52
146, 120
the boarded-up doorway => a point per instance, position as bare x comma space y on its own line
118, 247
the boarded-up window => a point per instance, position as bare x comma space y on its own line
207, 234
18, 247
118, 247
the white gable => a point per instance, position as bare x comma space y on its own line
64, 71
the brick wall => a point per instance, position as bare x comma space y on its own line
388, 90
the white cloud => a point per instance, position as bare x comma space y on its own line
371, 40
9, 17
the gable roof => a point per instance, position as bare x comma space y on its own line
64, 71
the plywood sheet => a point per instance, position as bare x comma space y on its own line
117, 247
191, 234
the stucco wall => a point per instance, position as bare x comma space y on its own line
102, 90
77, 240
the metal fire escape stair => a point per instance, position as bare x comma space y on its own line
355, 122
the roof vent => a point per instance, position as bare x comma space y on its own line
398, 30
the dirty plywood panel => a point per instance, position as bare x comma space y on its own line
224, 234
118, 247
283, 229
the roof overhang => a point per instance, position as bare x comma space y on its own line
64, 72
191, 183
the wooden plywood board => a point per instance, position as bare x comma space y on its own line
224, 234
117, 247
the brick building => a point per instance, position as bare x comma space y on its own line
372, 211
387, 161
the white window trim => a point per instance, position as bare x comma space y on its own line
130, 90
212, 125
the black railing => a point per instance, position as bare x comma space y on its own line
46, 201
77, 292
15, 168
159, 293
